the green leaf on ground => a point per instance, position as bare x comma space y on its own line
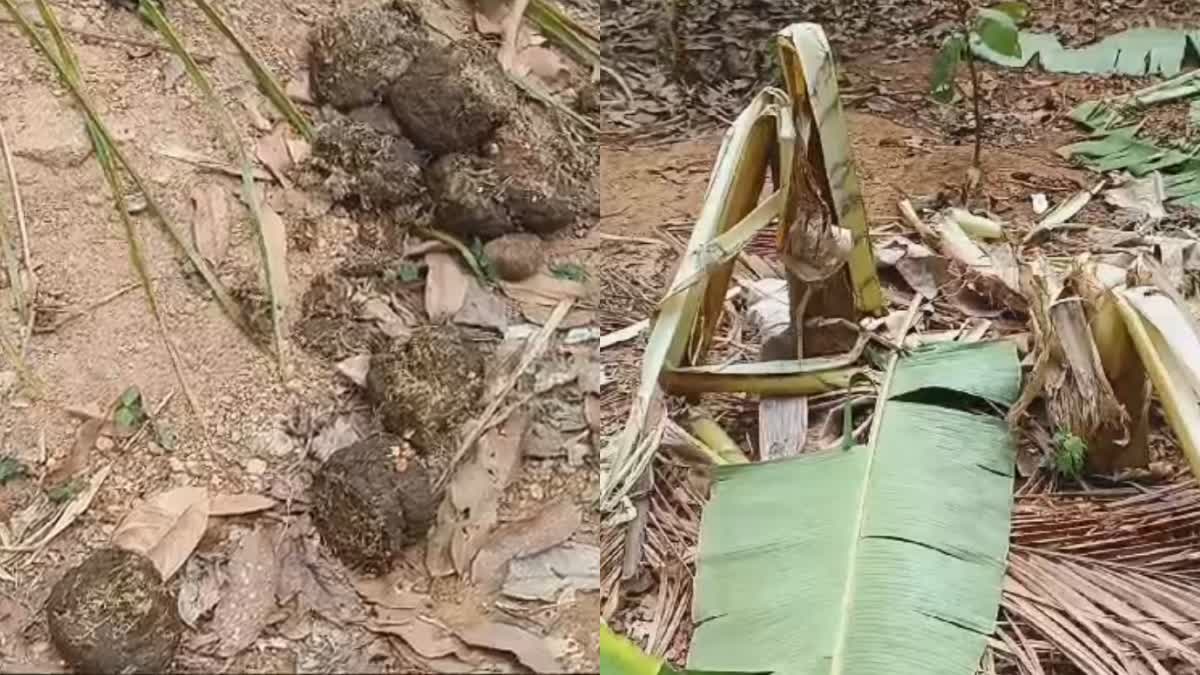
999, 32
945, 67
570, 272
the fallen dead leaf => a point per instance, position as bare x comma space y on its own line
337, 435
210, 221
392, 325
553, 525
489, 16
445, 664
238, 504
544, 289
355, 368
445, 287
543, 576
540, 314
250, 101
299, 89
13, 618
275, 242
531, 650
165, 528
299, 150
427, 638
544, 65
469, 511
318, 583
482, 308
249, 597
272, 151
199, 591
385, 592
77, 458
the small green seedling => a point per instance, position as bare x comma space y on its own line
570, 272
994, 26
485, 263
129, 413
1070, 453
11, 469
67, 492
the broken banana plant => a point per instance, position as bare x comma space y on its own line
813, 177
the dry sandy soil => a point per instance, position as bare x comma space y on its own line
253, 427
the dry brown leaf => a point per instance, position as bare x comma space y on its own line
250, 101
249, 598
553, 525
531, 650
275, 238
272, 151
540, 314
445, 287
544, 65
318, 583
391, 323
165, 528
238, 504
299, 89
469, 511
426, 638
299, 150
77, 458
483, 309
210, 221
13, 618
355, 367
489, 16
544, 289
199, 591
385, 592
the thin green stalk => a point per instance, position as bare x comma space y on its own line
97, 125
266, 81
269, 240
565, 32
104, 156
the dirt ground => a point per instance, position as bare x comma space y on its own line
663, 140
254, 429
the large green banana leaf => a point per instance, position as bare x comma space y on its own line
886, 558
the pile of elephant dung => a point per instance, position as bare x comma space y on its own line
114, 614
439, 133
370, 500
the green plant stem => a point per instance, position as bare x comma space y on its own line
964, 12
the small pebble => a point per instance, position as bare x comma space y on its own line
256, 467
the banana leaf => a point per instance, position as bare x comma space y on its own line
886, 558
1137, 51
